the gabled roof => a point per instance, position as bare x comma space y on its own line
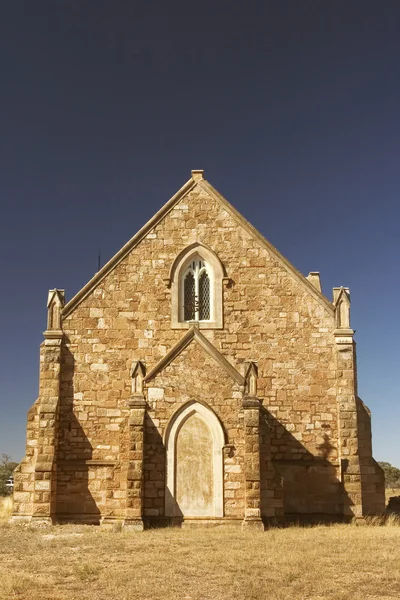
194, 334
196, 179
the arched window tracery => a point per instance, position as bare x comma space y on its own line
196, 288
204, 296
196, 291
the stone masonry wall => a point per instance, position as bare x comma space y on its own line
373, 478
269, 317
24, 474
193, 376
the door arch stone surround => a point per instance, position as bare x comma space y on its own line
170, 440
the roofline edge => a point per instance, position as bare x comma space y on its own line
126, 248
259, 236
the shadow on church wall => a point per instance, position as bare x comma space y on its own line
310, 483
155, 476
80, 492
306, 485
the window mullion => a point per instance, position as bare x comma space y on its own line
196, 295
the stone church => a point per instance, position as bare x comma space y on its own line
198, 377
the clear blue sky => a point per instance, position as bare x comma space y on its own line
292, 109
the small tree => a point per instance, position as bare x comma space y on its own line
7, 467
392, 475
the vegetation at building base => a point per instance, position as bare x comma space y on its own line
7, 467
392, 475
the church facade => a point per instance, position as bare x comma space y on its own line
198, 378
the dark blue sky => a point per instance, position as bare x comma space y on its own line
292, 109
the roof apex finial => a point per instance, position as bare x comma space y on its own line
197, 174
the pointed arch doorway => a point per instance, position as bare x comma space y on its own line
194, 440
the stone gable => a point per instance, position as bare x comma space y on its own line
291, 426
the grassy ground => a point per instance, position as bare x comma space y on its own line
340, 562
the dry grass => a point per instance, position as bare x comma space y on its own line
6, 505
339, 562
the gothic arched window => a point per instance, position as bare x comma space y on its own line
196, 291
196, 285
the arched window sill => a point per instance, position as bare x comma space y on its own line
199, 324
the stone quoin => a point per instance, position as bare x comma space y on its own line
198, 378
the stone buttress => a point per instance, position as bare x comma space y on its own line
35, 478
362, 477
